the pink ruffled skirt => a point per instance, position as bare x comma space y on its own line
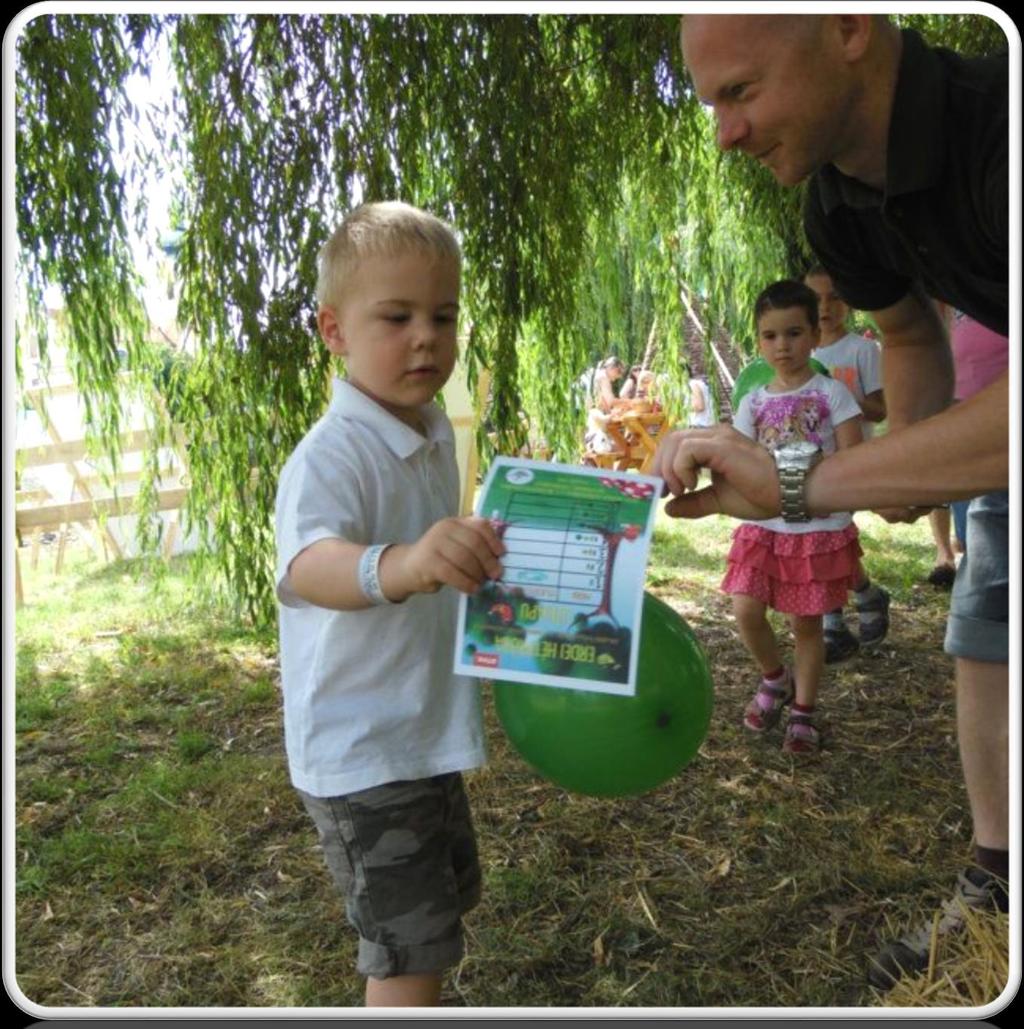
806, 573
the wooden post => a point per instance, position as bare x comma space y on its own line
182, 457
483, 384
36, 396
651, 346
172, 535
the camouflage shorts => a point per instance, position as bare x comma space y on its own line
404, 856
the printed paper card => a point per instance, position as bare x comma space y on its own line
566, 611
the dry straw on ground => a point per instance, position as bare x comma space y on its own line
164, 860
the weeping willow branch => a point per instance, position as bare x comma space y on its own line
568, 151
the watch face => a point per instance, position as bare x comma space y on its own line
801, 448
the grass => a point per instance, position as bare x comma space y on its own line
163, 859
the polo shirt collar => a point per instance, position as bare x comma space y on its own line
915, 141
350, 402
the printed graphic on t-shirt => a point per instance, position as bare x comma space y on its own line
791, 418
848, 375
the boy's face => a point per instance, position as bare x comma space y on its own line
396, 328
832, 311
786, 338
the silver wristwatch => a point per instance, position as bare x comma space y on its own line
794, 461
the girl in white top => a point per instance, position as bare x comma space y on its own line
801, 568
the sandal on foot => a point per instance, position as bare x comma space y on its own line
801, 735
765, 709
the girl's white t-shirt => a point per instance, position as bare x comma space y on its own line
809, 413
370, 696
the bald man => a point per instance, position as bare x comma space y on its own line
906, 151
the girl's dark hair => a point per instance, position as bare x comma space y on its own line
787, 293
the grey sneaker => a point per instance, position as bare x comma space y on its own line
839, 645
874, 618
976, 889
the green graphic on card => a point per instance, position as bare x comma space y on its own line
566, 611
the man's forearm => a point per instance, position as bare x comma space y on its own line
961, 452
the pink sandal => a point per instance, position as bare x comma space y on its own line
765, 710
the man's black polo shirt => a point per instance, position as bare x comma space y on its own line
943, 219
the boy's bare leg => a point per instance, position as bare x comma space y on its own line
404, 991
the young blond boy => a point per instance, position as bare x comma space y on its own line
377, 728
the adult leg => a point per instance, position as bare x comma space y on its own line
944, 571
982, 722
404, 991
977, 636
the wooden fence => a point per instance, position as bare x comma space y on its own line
77, 503
40, 510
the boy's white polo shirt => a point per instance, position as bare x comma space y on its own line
370, 696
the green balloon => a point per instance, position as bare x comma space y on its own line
605, 745
759, 373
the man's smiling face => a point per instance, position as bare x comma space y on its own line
777, 87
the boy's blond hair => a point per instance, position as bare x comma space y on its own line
384, 229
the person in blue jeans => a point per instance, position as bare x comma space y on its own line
905, 151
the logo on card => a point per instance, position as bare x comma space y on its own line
486, 660
519, 476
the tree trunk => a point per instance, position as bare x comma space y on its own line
651, 348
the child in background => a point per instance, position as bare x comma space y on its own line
377, 728
702, 411
980, 356
855, 361
803, 569
604, 401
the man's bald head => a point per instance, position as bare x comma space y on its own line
794, 91
794, 26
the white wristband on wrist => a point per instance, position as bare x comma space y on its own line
369, 577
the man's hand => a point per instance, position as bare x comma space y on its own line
744, 480
459, 552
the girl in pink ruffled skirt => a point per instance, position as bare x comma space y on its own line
803, 569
